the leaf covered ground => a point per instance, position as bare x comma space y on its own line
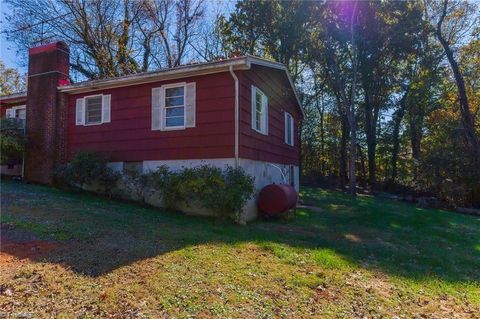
77, 255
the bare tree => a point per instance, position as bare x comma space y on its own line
345, 97
175, 24
351, 108
454, 21
108, 37
212, 45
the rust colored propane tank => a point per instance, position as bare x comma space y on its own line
276, 198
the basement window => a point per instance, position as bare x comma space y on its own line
93, 110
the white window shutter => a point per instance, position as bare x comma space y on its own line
286, 127
292, 130
80, 112
157, 101
265, 112
10, 114
190, 104
106, 99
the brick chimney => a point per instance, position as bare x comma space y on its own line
48, 66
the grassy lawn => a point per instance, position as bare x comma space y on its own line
363, 257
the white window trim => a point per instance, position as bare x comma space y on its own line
19, 107
164, 107
85, 110
289, 117
254, 111
15, 108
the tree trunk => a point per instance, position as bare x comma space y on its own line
415, 123
343, 152
415, 139
371, 145
351, 109
347, 105
397, 121
362, 165
353, 157
321, 112
371, 119
322, 134
466, 115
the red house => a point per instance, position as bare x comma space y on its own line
241, 111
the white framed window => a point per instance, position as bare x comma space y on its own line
19, 113
173, 106
93, 110
289, 129
259, 111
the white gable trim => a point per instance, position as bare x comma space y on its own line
279, 66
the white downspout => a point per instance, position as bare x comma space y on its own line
237, 102
281, 172
23, 153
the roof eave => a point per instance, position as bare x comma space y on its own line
13, 98
194, 70
240, 63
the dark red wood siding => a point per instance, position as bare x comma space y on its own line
128, 137
272, 147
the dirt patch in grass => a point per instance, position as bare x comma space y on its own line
17, 244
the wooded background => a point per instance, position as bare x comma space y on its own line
391, 89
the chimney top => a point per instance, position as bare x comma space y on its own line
58, 45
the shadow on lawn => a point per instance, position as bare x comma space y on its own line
98, 235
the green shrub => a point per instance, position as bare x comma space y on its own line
87, 168
12, 141
238, 189
189, 184
224, 192
157, 179
133, 182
